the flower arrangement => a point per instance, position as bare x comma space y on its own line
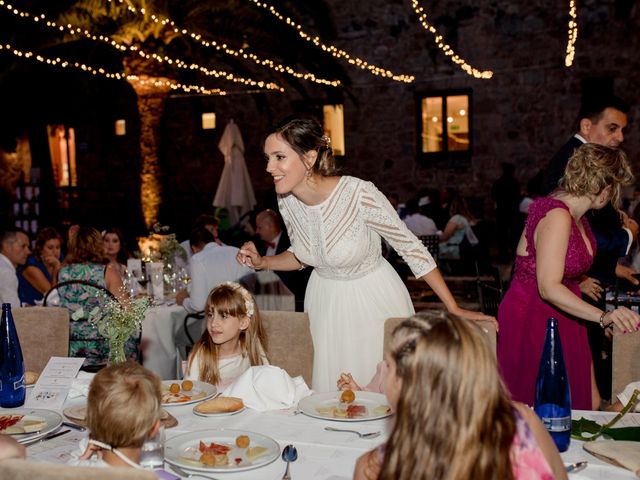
160, 246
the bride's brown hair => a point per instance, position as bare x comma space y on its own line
454, 418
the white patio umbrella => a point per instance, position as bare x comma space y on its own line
235, 191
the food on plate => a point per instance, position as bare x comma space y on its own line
256, 452
347, 396
214, 454
174, 388
351, 411
31, 377
220, 405
355, 411
174, 393
242, 441
381, 410
187, 385
8, 421
18, 424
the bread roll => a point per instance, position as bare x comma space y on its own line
220, 405
31, 377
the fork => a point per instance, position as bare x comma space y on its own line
184, 473
361, 435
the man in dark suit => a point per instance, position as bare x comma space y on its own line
601, 121
274, 240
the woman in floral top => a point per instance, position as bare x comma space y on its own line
87, 261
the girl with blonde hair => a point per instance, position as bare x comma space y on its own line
454, 417
233, 341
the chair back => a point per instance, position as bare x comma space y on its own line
93, 288
488, 327
432, 242
490, 297
290, 346
25, 470
43, 333
625, 360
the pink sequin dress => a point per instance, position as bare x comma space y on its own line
523, 316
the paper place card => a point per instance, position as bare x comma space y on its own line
54, 383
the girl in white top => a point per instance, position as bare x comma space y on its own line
233, 341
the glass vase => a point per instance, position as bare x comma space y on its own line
116, 353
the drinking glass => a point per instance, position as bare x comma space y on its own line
152, 452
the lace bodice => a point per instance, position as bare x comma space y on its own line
578, 259
341, 236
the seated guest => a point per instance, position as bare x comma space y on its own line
14, 250
87, 261
210, 265
457, 229
116, 250
208, 222
123, 408
233, 341
418, 223
454, 416
37, 275
274, 240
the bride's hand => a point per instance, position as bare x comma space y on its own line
248, 255
475, 316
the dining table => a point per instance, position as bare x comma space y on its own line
322, 455
163, 338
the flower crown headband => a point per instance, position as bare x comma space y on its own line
246, 296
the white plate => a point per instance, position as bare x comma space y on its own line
181, 446
198, 388
309, 405
53, 420
221, 414
78, 413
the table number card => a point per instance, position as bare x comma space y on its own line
52, 388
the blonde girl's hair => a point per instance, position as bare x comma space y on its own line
594, 167
123, 405
231, 299
454, 418
304, 135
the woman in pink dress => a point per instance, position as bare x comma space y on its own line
556, 249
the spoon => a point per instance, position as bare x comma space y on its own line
361, 435
289, 454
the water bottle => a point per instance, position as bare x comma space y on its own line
553, 397
12, 388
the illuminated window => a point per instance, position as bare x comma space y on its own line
62, 147
445, 124
333, 125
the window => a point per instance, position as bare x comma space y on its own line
62, 147
333, 125
445, 124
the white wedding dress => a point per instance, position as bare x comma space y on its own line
353, 289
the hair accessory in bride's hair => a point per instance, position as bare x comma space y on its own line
326, 140
246, 296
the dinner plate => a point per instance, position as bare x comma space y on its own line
77, 413
182, 450
52, 419
219, 414
200, 391
320, 405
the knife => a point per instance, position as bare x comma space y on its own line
576, 467
46, 437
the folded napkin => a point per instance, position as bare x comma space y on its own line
80, 385
268, 388
619, 453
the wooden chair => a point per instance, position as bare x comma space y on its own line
432, 242
25, 470
43, 333
490, 297
290, 346
488, 327
625, 360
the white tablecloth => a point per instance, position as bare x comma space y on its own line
321, 454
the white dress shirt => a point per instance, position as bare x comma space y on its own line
210, 267
8, 283
420, 224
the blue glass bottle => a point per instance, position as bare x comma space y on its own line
12, 389
553, 397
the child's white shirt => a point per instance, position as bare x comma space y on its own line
229, 368
93, 461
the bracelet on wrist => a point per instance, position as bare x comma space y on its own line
601, 321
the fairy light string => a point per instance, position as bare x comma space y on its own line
572, 35
179, 63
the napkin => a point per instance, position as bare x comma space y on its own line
619, 453
80, 385
268, 387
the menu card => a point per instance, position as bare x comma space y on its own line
52, 388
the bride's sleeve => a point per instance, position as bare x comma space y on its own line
380, 216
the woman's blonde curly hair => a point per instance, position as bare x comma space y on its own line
592, 168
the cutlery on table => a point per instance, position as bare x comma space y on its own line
184, 473
75, 426
289, 454
46, 437
576, 467
361, 435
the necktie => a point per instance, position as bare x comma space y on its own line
270, 244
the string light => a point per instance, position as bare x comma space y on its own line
573, 34
76, 31
336, 52
58, 62
223, 47
448, 51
